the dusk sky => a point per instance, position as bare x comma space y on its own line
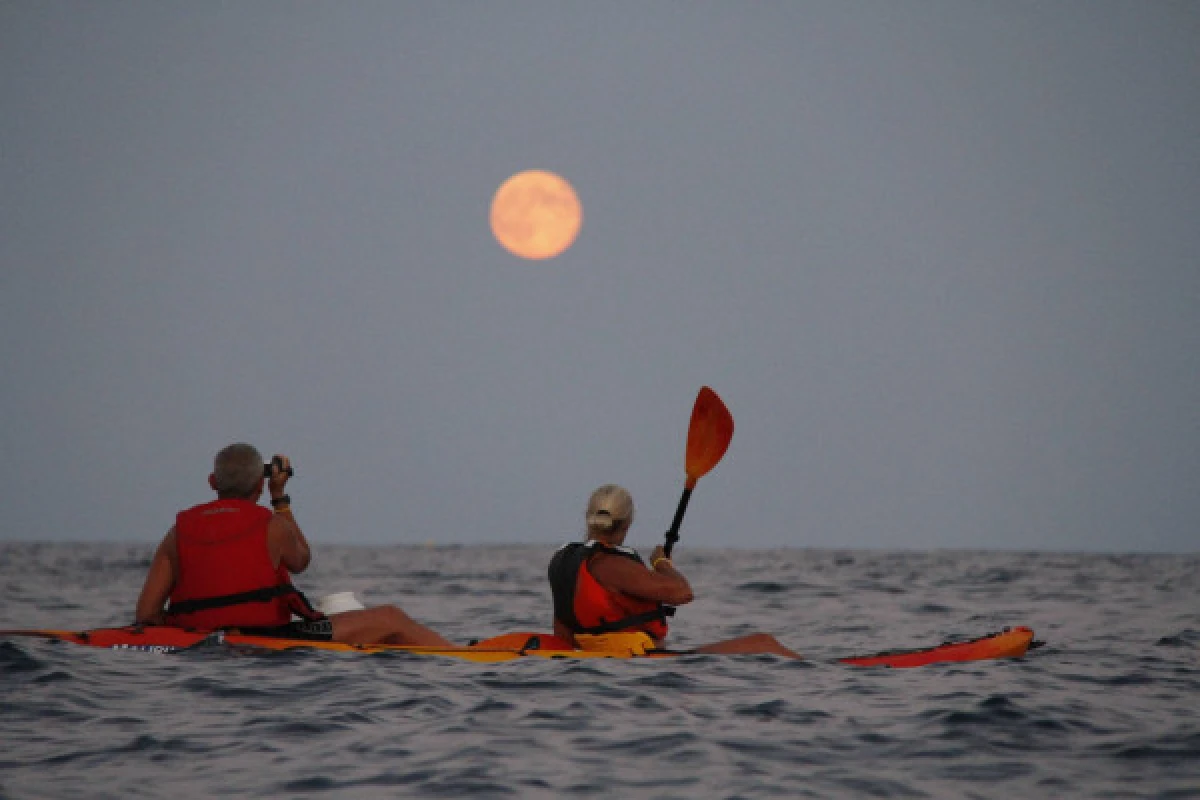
940, 259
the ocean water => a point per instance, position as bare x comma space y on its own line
1108, 708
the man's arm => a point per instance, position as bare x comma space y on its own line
664, 584
287, 543
159, 581
285, 540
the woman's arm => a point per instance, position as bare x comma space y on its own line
563, 632
664, 584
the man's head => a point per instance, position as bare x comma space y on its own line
609, 513
237, 473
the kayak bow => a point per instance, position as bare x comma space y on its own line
1008, 643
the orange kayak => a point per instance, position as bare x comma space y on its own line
1009, 643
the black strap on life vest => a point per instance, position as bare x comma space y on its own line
632, 621
563, 573
297, 603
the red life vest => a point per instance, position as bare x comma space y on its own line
226, 578
585, 606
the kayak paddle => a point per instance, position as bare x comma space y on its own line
709, 434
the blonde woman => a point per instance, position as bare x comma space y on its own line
604, 592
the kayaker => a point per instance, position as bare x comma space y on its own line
228, 564
604, 592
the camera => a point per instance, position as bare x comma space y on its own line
278, 462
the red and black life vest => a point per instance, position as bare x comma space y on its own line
226, 578
585, 606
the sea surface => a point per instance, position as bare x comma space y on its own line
1108, 708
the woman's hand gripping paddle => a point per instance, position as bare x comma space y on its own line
709, 434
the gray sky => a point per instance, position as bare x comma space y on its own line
940, 259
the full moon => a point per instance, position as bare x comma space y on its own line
536, 214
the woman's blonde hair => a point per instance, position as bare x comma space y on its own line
609, 510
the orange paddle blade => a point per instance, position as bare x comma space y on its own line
709, 434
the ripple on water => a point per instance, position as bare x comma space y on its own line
215, 688
1166, 748
15, 659
668, 679
288, 727
993, 711
930, 608
763, 587
987, 772
651, 745
782, 710
1185, 638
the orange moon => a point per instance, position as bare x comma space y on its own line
536, 214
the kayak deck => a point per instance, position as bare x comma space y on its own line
1008, 643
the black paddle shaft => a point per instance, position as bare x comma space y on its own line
673, 535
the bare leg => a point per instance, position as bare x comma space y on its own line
383, 625
754, 643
